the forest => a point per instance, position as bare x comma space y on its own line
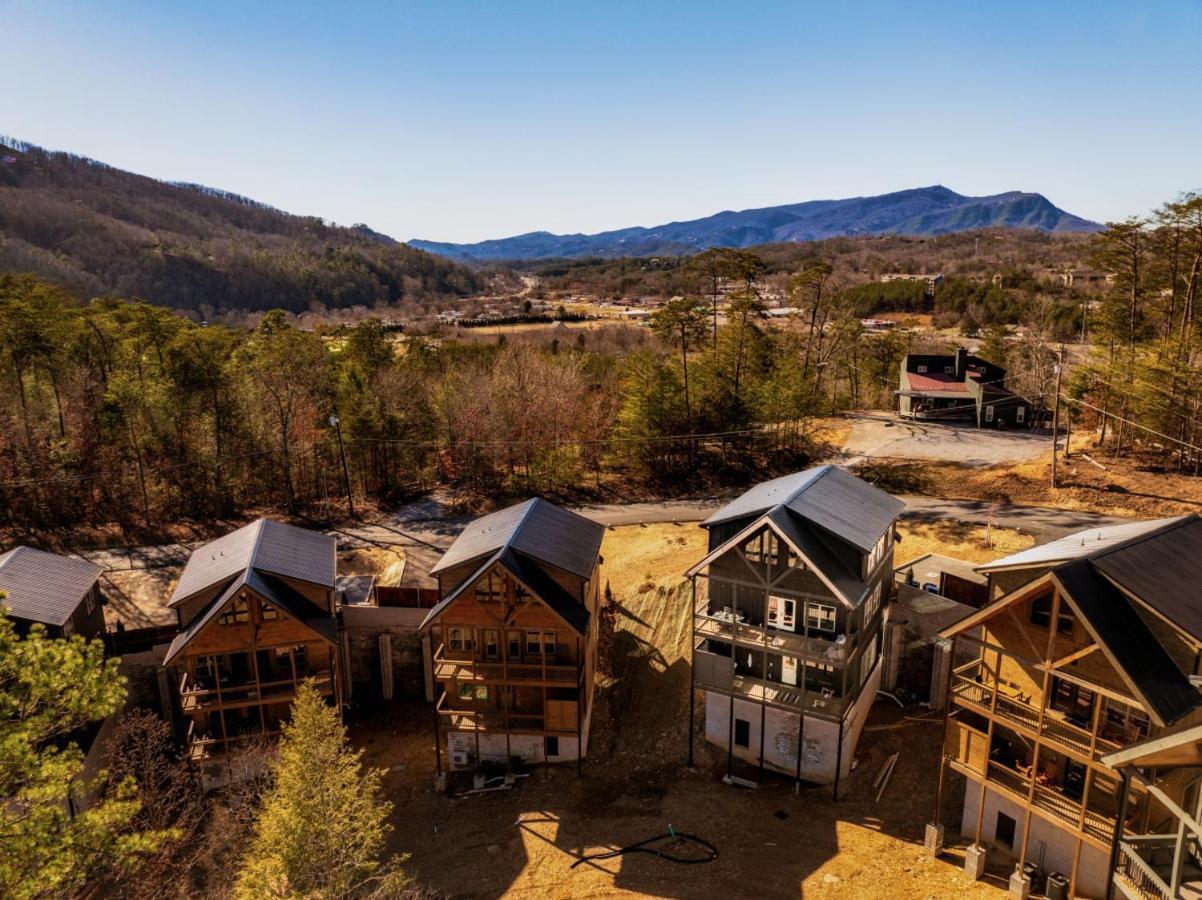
122, 412
105, 232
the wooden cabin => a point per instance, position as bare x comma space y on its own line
1088, 645
59, 592
512, 642
959, 387
789, 611
257, 616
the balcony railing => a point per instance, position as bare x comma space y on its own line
773, 693
557, 674
1050, 799
1135, 875
721, 627
197, 699
561, 720
1013, 709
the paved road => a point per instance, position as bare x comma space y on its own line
887, 436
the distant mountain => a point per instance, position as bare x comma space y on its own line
921, 211
103, 231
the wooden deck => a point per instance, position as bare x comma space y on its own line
815, 649
196, 700
528, 674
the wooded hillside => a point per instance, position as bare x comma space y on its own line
102, 231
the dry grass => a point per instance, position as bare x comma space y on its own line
947, 537
386, 563
772, 841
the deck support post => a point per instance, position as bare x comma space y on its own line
1116, 838
692, 665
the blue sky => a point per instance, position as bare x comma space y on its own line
462, 121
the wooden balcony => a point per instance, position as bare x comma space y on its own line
713, 674
550, 674
559, 718
195, 699
1021, 714
1047, 799
816, 649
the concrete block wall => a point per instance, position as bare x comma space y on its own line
363, 626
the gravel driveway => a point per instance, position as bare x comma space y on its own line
891, 437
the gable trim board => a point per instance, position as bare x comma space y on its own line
268, 588
766, 520
1117, 629
548, 593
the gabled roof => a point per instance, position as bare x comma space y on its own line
1177, 746
530, 576
44, 587
939, 382
826, 496
272, 589
1079, 544
268, 546
536, 528
1126, 638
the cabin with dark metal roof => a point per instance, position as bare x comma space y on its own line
257, 615
789, 609
1090, 643
61, 593
511, 644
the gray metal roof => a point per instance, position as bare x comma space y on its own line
1163, 569
265, 545
1124, 634
540, 530
1078, 544
44, 587
827, 496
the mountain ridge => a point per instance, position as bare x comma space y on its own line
100, 230
924, 211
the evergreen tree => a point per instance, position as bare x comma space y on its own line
322, 826
49, 688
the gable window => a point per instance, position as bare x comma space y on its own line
1041, 615
820, 616
764, 547
461, 639
238, 612
489, 588
268, 612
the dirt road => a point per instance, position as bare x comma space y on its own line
887, 436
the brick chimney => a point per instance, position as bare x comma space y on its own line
961, 363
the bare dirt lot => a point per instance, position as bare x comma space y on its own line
887, 436
772, 842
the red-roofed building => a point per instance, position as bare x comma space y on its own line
959, 387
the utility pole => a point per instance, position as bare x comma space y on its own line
1056, 409
346, 472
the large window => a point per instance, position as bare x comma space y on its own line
238, 612
540, 642
479, 691
820, 616
490, 588
1041, 615
268, 612
492, 643
461, 639
872, 604
782, 612
764, 547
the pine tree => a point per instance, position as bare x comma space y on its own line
323, 823
49, 687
